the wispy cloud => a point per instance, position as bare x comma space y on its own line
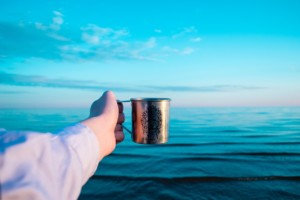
97, 48
52, 30
189, 33
57, 21
212, 88
42, 81
184, 51
196, 39
27, 42
90, 42
94, 34
186, 31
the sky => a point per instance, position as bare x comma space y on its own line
196, 52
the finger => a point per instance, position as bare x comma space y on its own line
119, 135
121, 118
121, 107
119, 127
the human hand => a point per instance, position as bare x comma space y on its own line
106, 118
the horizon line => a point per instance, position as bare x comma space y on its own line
176, 106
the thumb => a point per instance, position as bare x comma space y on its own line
106, 105
109, 107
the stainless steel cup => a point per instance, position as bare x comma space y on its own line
150, 120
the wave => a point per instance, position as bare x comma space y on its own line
170, 159
172, 145
249, 154
231, 131
189, 179
260, 136
127, 155
207, 155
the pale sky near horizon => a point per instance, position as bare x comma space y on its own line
199, 53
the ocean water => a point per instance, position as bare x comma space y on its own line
212, 153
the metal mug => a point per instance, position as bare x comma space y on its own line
150, 120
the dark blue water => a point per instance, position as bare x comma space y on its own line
212, 153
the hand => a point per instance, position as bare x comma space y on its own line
98, 107
106, 118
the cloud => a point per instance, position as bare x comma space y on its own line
186, 31
57, 21
150, 43
93, 34
42, 81
90, 42
184, 51
96, 49
189, 33
158, 31
91, 39
212, 88
58, 18
40, 26
187, 51
54, 27
196, 39
95, 43
57, 13
103, 31
109, 43
58, 37
27, 42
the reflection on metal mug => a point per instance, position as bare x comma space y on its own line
150, 120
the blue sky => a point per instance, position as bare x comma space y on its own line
199, 53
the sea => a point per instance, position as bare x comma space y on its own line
212, 153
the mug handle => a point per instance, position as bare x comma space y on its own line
129, 131
125, 101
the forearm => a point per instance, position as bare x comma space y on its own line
48, 166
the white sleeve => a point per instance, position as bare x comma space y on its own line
47, 166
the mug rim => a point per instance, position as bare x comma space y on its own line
150, 99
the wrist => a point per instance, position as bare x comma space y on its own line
104, 134
91, 123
